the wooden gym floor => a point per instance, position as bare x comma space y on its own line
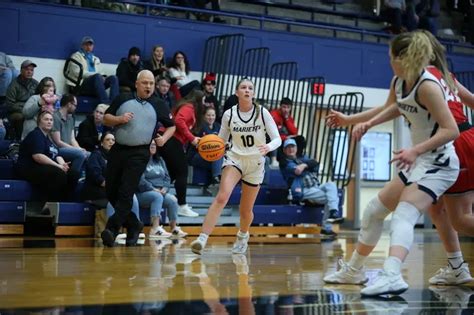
79, 276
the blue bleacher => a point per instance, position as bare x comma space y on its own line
71, 213
12, 212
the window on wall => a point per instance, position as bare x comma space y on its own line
375, 155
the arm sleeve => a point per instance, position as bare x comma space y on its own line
85, 138
31, 108
272, 130
9, 63
224, 132
163, 112
112, 110
144, 185
181, 118
290, 125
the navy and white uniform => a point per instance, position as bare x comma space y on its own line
434, 171
244, 132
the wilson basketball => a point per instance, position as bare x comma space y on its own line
211, 148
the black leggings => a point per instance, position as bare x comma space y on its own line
175, 158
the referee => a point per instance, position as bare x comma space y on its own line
135, 118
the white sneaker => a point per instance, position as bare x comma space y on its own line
450, 276
160, 232
240, 262
123, 236
346, 275
197, 246
378, 305
386, 283
178, 233
455, 297
122, 241
240, 245
186, 211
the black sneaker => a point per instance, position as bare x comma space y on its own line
334, 217
329, 233
133, 233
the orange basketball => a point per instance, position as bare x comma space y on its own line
211, 147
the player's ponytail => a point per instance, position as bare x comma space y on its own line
414, 51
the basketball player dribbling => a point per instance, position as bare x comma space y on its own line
244, 127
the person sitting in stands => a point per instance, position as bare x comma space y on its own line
128, 69
301, 174
287, 129
19, 91
64, 136
153, 193
35, 104
93, 81
157, 63
179, 69
162, 90
92, 128
40, 163
209, 126
208, 86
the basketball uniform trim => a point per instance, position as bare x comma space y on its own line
250, 184
429, 192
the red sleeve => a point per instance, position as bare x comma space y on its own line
184, 120
290, 125
277, 118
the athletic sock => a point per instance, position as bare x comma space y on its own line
455, 259
203, 237
392, 264
241, 234
357, 260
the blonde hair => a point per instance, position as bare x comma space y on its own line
102, 107
415, 52
439, 60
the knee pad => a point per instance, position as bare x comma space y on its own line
403, 223
372, 222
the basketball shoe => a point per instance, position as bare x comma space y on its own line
452, 276
386, 283
346, 275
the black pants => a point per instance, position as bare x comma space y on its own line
125, 166
175, 159
52, 183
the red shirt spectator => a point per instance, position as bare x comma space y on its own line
284, 121
188, 117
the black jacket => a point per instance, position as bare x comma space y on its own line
95, 175
88, 136
127, 73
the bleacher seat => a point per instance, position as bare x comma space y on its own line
16, 190
12, 212
286, 214
201, 177
72, 213
4, 145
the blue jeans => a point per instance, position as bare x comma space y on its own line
76, 156
214, 167
96, 85
6, 77
157, 202
325, 194
135, 209
3, 132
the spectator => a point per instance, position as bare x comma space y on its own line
94, 186
179, 69
201, 4
210, 126
157, 63
128, 69
18, 93
93, 82
7, 74
393, 13
37, 103
40, 163
208, 85
301, 174
92, 128
153, 193
187, 117
64, 137
428, 12
286, 128
163, 84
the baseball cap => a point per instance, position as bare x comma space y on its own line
289, 142
28, 63
87, 39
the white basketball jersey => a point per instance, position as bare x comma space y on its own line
422, 125
246, 132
